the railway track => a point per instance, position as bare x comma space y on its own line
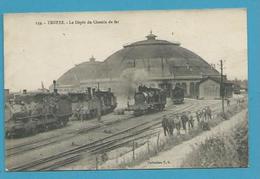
154, 125
101, 145
32, 145
38, 143
112, 145
144, 133
35, 144
76, 150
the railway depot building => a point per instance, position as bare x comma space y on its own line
209, 88
151, 62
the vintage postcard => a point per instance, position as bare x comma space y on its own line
126, 90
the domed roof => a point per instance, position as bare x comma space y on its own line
83, 71
158, 57
176, 60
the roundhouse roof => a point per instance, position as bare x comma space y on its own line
152, 54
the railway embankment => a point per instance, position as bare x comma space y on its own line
226, 149
171, 151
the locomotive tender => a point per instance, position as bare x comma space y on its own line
148, 100
86, 105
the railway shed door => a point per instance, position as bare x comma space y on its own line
209, 89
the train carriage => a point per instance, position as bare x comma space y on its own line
86, 105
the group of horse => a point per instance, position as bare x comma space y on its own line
185, 120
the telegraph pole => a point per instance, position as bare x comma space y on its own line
222, 94
99, 107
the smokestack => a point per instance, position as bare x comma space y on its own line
98, 85
55, 90
24, 91
89, 92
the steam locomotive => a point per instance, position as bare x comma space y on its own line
86, 105
148, 100
30, 113
177, 95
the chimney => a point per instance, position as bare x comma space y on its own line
55, 90
109, 89
89, 92
54, 84
24, 91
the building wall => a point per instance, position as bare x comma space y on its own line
190, 86
209, 89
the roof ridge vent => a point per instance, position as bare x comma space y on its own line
151, 36
92, 59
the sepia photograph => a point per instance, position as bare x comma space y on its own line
149, 89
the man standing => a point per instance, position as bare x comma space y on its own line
165, 125
184, 120
198, 116
205, 123
171, 125
177, 122
208, 113
191, 121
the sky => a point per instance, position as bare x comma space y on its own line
36, 51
